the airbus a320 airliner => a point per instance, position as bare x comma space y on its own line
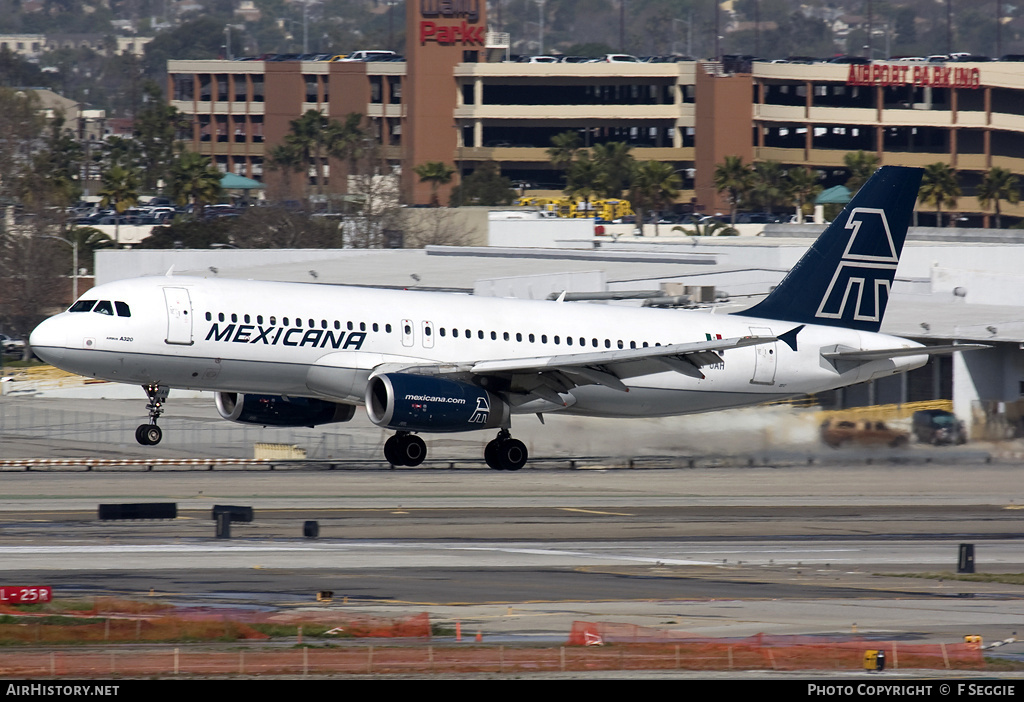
292, 354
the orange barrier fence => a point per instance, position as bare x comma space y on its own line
188, 648
471, 658
778, 652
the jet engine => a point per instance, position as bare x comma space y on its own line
277, 411
427, 403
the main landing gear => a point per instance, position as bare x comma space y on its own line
405, 449
505, 453
150, 434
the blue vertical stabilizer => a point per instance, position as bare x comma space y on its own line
845, 278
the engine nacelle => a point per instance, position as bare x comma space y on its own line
428, 403
277, 411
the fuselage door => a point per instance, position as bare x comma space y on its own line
428, 335
408, 332
764, 359
179, 316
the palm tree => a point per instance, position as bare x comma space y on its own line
939, 186
734, 177
769, 187
801, 185
655, 185
309, 138
616, 166
437, 173
345, 139
997, 185
87, 240
583, 179
286, 159
120, 191
564, 148
861, 165
195, 180
118, 151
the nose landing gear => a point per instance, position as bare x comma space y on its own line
150, 434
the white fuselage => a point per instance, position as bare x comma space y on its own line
325, 341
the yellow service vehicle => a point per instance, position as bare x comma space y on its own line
605, 209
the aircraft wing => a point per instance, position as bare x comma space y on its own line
695, 354
546, 376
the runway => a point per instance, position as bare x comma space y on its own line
718, 551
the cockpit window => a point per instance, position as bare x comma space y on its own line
104, 307
122, 309
82, 306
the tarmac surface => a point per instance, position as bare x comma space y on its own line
730, 547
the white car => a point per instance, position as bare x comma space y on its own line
11, 345
619, 58
370, 56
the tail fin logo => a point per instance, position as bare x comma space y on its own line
859, 289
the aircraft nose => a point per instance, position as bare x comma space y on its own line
49, 340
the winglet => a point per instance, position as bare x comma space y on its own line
170, 271
561, 298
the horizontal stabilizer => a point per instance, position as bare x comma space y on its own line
882, 354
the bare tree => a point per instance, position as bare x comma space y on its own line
33, 270
372, 206
283, 228
437, 226
21, 129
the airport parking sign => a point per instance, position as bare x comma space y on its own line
25, 595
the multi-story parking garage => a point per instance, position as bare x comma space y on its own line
446, 102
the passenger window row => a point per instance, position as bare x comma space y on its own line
272, 320
532, 338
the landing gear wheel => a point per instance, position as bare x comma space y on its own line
148, 434
391, 454
413, 450
405, 450
512, 454
491, 455
505, 453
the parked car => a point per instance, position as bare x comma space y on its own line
371, 55
9, 344
618, 58
938, 427
863, 432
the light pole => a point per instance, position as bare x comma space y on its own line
305, 24
689, 35
622, 26
540, 39
391, 24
